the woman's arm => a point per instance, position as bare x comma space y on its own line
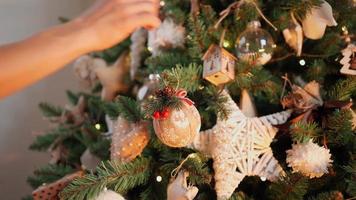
102, 26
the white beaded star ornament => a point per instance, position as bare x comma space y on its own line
240, 146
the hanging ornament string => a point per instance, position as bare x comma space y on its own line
175, 171
222, 38
238, 4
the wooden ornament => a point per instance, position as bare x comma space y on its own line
112, 77
248, 108
293, 36
219, 65
315, 22
179, 190
180, 127
303, 99
349, 60
128, 140
51, 191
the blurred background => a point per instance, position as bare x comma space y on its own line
20, 119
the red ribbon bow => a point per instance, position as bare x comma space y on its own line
181, 94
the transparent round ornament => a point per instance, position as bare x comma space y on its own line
150, 86
255, 45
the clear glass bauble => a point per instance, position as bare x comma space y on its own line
254, 45
150, 86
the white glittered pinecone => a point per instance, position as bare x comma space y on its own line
309, 159
167, 35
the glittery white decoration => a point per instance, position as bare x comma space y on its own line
240, 146
309, 159
84, 68
109, 195
138, 45
179, 190
168, 35
345, 61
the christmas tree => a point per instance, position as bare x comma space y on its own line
225, 100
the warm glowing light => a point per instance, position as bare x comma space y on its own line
97, 126
149, 49
226, 44
263, 178
159, 178
302, 62
162, 3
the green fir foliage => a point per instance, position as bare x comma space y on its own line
303, 132
48, 174
117, 176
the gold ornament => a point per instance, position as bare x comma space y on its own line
112, 77
349, 60
179, 190
51, 191
315, 22
128, 140
180, 127
219, 65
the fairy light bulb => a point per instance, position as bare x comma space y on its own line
97, 126
226, 44
159, 179
302, 62
162, 3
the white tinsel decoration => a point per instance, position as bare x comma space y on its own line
138, 45
109, 195
309, 159
168, 35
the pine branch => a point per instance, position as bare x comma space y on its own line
167, 60
48, 174
110, 55
187, 78
215, 102
240, 196
49, 110
128, 109
44, 142
303, 132
290, 187
301, 8
333, 195
351, 178
340, 127
72, 97
343, 90
117, 176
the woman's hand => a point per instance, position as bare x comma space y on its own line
108, 22
105, 24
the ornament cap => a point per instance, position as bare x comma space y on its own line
254, 24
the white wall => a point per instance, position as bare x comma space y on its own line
19, 115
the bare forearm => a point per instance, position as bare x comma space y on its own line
105, 24
25, 62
